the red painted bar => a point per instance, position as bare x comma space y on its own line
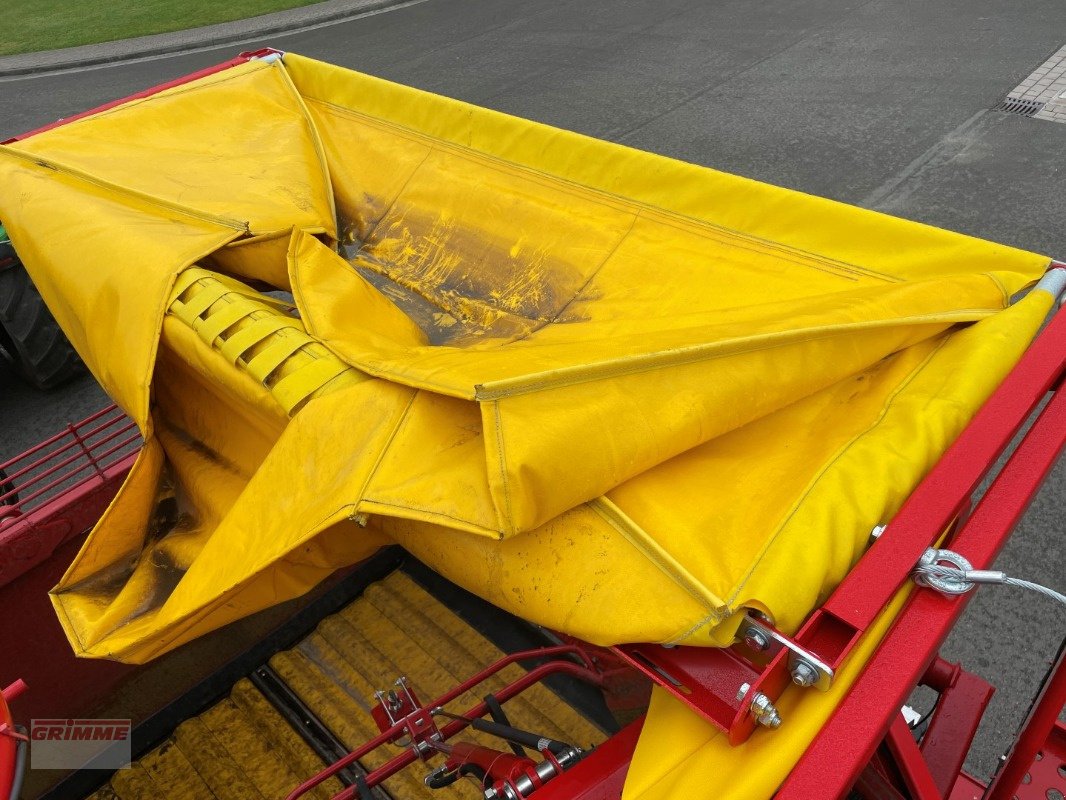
600, 775
1042, 733
937, 500
953, 725
584, 672
908, 759
846, 742
30, 539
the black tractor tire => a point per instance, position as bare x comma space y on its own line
5, 487
29, 333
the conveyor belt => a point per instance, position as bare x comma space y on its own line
243, 748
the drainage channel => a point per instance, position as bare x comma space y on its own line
1042, 94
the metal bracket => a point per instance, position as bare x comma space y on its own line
737, 688
404, 707
805, 668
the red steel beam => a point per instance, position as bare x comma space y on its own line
31, 538
845, 744
1036, 735
601, 774
938, 499
907, 758
963, 700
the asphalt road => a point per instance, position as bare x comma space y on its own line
880, 103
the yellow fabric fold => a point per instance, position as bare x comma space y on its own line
618, 395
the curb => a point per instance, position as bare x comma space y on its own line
177, 42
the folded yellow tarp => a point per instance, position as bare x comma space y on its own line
619, 395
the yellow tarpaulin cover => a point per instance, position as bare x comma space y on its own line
616, 394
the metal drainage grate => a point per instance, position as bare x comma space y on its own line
1017, 105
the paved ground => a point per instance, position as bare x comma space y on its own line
880, 103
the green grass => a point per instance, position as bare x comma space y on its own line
31, 25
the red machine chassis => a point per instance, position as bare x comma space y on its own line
65, 483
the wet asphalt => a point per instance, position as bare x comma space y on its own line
882, 104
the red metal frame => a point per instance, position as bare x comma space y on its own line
9, 738
60, 487
559, 665
913, 770
961, 704
601, 775
901, 769
1039, 753
846, 743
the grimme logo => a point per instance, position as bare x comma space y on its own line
79, 743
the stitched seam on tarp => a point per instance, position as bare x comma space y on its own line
470, 527
387, 370
399, 193
693, 354
503, 477
653, 551
782, 250
539, 322
1002, 289
581, 289
710, 619
372, 472
73, 172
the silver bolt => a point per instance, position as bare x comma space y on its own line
803, 674
875, 534
756, 639
764, 711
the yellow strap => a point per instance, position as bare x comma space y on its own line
219, 320
185, 280
191, 309
271, 358
293, 389
257, 329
